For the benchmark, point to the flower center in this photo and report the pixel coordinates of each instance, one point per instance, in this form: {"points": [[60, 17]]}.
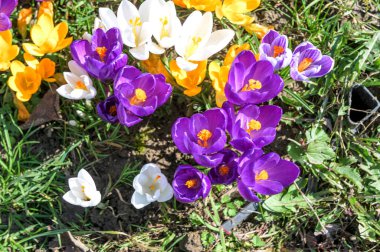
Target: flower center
{"points": [[80, 85], [252, 85], [277, 50], [191, 183], [305, 63], [86, 198], [135, 23], [203, 136], [263, 175], [152, 187], [139, 97], [193, 46], [164, 30], [112, 110], [253, 125], [224, 170], [102, 51]]}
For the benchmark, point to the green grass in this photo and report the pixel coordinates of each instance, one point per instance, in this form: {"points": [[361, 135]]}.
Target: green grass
{"points": [[334, 205]]}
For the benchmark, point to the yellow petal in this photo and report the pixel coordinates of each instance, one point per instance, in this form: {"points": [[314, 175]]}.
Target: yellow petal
{"points": [[23, 114], [192, 92], [220, 98], [23, 97], [259, 30], [30, 60], [39, 35], [46, 8], [32, 49], [154, 65], [46, 69], [233, 51], [45, 21], [17, 67], [6, 37], [24, 18], [63, 44]]}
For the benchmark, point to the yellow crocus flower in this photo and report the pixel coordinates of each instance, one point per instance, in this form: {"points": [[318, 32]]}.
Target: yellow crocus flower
{"points": [[259, 30], [46, 7], [24, 18], [46, 37], [235, 10], [25, 80], [203, 5], [154, 65], [189, 80], [219, 73], [8, 51]]}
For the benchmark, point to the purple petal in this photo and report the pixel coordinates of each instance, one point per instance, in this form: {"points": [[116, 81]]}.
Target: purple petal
{"points": [[285, 172], [126, 117], [247, 193], [79, 50], [326, 63], [7, 6], [208, 160], [5, 22], [270, 37], [304, 46], [268, 187], [180, 126]]}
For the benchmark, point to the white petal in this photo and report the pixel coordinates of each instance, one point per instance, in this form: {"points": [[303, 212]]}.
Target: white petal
{"points": [[83, 174], [128, 36], [65, 91], [126, 11], [108, 18], [147, 10], [71, 79], [138, 200], [145, 34], [185, 65], [153, 197], [98, 24], [87, 36], [76, 69], [141, 182], [92, 93], [71, 198], [150, 169], [141, 52], [78, 94], [95, 199], [218, 40], [156, 49], [166, 194]]}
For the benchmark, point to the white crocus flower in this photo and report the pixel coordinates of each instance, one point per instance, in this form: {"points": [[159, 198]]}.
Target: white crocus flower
{"points": [[197, 42], [82, 191], [166, 26], [150, 185], [97, 24], [134, 27], [79, 84]]}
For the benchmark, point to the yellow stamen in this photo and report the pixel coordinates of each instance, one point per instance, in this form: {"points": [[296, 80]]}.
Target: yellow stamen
{"points": [[224, 170], [152, 187], [203, 136], [193, 46], [191, 183], [102, 51], [164, 30], [252, 85], [135, 23], [277, 50], [263, 175], [139, 97], [253, 125], [112, 110], [304, 64], [86, 198], [80, 85]]}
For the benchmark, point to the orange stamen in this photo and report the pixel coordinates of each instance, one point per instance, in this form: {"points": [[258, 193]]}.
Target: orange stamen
{"points": [[224, 170], [102, 51], [252, 85], [253, 125], [203, 136], [80, 85], [277, 50], [191, 183], [112, 110], [304, 64]]}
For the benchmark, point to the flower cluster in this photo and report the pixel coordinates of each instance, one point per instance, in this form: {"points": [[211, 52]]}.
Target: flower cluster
{"points": [[46, 38], [229, 140]]}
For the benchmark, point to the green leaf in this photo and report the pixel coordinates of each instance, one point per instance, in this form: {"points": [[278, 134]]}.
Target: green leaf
{"points": [[351, 174], [257, 242], [225, 199], [318, 152], [296, 152]]}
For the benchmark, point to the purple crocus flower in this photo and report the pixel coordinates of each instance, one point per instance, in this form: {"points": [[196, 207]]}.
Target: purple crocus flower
{"points": [[266, 175], [274, 48], [107, 109], [140, 94], [308, 62], [253, 126], [226, 172], [251, 81], [6, 9], [103, 57], [189, 184], [203, 135]]}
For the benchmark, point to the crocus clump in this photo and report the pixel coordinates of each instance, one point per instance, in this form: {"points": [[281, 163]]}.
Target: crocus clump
{"points": [[189, 184], [274, 48], [251, 81], [308, 62], [203, 135], [103, 57]]}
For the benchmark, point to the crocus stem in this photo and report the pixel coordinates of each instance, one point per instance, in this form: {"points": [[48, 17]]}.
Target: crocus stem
{"points": [[217, 220]]}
